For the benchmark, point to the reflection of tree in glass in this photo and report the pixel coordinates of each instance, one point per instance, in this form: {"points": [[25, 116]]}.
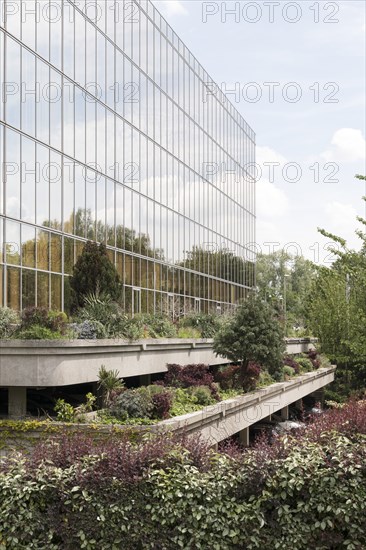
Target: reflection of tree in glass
{"points": [[222, 264]]}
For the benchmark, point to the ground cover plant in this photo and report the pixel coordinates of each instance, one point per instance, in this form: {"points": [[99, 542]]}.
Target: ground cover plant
{"points": [[302, 491]]}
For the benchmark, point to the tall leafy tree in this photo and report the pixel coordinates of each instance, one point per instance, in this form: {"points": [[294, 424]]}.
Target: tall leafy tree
{"points": [[253, 334], [94, 273], [273, 272], [336, 311]]}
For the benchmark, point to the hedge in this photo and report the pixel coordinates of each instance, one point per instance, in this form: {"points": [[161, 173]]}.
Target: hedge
{"points": [[298, 493]]}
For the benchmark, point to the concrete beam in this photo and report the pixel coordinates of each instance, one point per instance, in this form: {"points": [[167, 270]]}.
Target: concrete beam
{"points": [[17, 402], [41, 363]]}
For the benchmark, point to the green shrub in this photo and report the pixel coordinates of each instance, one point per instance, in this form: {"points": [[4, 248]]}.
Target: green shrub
{"points": [[57, 321], [54, 321], [202, 395], [253, 335], [157, 326], [324, 361], [305, 364], [265, 379], [132, 404], [102, 309], [37, 332], [288, 371], [8, 318], [88, 406], [65, 412], [110, 384], [133, 329], [188, 332], [206, 324], [184, 402]]}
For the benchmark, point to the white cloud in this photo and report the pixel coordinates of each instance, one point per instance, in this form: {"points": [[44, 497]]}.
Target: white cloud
{"points": [[270, 164], [272, 202], [267, 232], [347, 145], [171, 7], [266, 154], [341, 218]]}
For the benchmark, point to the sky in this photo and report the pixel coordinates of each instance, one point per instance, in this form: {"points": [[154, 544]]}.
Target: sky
{"points": [[296, 72]]}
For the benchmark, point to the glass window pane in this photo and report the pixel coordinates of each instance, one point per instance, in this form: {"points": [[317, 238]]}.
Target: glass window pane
{"points": [[12, 240], [28, 246], [12, 176], [56, 253], [68, 255], [2, 293], [29, 174], [13, 77], [42, 289], [56, 292], [29, 97], [54, 175], [43, 250], [13, 288], [42, 186], [28, 288]]}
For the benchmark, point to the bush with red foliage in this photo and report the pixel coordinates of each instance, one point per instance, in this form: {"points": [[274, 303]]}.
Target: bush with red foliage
{"points": [[230, 447], [64, 449], [173, 376], [290, 362], [250, 376], [190, 375], [228, 377], [162, 403], [41, 316], [348, 420], [313, 356], [119, 457]]}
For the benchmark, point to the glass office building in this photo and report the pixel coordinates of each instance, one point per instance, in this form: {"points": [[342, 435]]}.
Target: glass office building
{"points": [[110, 130]]}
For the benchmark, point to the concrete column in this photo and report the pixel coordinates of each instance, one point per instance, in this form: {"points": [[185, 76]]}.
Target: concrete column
{"points": [[284, 413], [17, 402], [145, 379], [244, 437]]}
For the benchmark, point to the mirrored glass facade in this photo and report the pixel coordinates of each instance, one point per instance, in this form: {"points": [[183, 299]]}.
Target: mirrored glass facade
{"points": [[110, 130]]}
